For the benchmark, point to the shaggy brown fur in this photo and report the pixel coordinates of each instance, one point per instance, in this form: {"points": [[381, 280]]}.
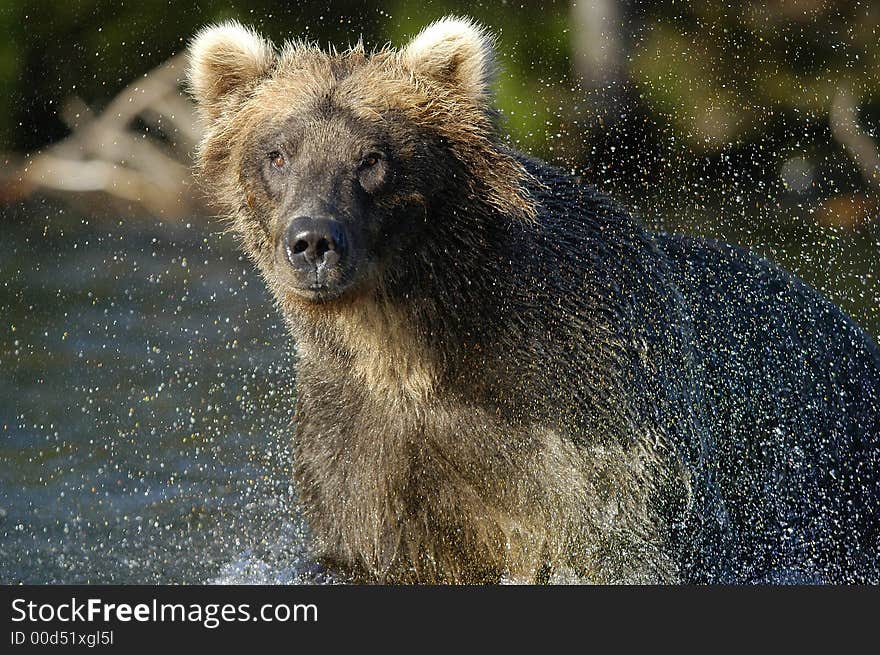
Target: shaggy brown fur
{"points": [[514, 378]]}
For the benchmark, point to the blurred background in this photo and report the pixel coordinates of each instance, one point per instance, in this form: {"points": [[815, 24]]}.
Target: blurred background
{"points": [[145, 381]]}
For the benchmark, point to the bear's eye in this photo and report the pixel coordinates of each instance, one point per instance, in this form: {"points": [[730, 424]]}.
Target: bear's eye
{"points": [[370, 160], [277, 160]]}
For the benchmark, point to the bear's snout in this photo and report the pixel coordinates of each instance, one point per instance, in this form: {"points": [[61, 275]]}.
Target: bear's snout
{"points": [[314, 243]]}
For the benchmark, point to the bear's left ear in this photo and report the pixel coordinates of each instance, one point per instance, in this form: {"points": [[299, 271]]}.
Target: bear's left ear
{"points": [[454, 51], [225, 58]]}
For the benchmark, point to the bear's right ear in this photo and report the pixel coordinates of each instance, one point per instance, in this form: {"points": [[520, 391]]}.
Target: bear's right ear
{"points": [[225, 58]]}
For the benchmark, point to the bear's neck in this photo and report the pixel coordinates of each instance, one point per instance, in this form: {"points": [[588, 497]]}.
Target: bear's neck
{"points": [[394, 353], [371, 345]]}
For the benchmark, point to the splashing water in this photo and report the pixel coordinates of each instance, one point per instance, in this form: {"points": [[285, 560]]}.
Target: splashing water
{"points": [[146, 402], [144, 407]]}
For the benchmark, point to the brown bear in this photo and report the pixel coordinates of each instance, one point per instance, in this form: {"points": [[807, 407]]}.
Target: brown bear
{"points": [[501, 374]]}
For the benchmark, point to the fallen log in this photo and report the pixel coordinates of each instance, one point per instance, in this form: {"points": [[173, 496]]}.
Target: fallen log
{"points": [[134, 156]]}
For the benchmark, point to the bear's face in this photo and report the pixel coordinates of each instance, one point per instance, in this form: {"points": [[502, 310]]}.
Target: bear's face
{"points": [[337, 185], [337, 169]]}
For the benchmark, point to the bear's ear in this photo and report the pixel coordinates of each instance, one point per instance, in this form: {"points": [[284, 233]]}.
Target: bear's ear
{"points": [[224, 58], [454, 51]]}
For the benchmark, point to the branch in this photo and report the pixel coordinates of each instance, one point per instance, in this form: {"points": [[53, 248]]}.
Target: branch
{"points": [[136, 150], [846, 130]]}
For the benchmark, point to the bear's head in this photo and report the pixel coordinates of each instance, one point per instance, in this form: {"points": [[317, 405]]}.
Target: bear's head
{"points": [[343, 172]]}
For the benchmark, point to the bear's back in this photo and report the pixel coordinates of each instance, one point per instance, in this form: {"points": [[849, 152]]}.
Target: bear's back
{"points": [[790, 395]]}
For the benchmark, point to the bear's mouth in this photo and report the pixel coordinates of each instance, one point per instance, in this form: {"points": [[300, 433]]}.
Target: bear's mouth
{"points": [[319, 293], [314, 283], [320, 285]]}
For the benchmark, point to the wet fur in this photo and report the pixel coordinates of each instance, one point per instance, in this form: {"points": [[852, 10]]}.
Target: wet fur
{"points": [[541, 387]]}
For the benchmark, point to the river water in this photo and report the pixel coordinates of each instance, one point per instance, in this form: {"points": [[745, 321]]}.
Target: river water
{"points": [[146, 392], [145, 395]]}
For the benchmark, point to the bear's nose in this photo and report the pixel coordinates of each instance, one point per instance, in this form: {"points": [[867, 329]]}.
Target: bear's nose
{"points": [[313, 242]]}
